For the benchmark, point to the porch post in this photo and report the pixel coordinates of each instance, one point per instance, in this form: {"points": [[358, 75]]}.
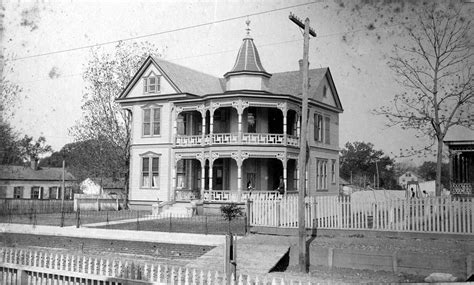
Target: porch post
{"points": [[298, 127], [173, 178], [203, 125], [451, 165], [284, 129], [297, 175], [239, 114], [211, 162], [203, 177], [177, 111], [239, 179], [285, 173]]}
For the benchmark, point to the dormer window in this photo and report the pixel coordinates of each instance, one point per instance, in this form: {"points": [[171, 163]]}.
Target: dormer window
{"points": [[151, 83]]}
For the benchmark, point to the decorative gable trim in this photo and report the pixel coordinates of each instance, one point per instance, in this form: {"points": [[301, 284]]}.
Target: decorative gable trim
{"points": [[149, 153], [140, 74], [333, 89]]}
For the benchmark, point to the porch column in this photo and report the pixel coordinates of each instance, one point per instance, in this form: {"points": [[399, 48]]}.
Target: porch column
{"points": [[177, 111], [284, 129], [458, 168], [239, 179], [211, 162], [239, 114], [285, 173], [298, 127], [203, 112], [203, 177], [173, 177], [451, 165], [297, 176]]}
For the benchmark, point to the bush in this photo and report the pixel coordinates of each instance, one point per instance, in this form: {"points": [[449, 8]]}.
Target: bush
{"points": [[231, 211]]}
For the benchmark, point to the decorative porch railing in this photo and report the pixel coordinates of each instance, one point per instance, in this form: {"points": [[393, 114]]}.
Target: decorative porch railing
{"points": [[184, 140], [462, 189], [187, 195], [233, 138], [233, 196]]}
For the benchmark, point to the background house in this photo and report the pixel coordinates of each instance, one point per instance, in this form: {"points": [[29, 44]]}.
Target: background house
{"points": [[407, 177], [22, 182]]}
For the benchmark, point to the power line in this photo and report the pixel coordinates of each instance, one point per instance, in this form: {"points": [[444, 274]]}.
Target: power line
{"points": [[224, 51], [162, 32]]}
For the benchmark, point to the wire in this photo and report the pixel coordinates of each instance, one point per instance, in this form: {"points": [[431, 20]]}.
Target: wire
{"points": [[161, 33]]}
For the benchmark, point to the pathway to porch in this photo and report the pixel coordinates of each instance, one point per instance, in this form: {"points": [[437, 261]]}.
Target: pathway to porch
{"points": [[256, 254]]}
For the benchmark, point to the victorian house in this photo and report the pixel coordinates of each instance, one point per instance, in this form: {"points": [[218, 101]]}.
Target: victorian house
{"points": [[197, 136]]}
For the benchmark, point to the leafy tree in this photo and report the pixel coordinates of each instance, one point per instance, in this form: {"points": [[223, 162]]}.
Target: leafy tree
{"points": [[436, 72], [84, 160], [230, 212], [428, 171], [360, 161], [31, 149], [106, 75], [9, 147]]}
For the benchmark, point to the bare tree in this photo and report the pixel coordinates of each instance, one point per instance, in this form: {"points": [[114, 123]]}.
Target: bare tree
{"points": [[436, 71], [106, 75]]}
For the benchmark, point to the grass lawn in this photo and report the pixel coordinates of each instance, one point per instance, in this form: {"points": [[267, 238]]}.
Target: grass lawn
{"points": [[196, 224], [136, 221], [70, 219]]}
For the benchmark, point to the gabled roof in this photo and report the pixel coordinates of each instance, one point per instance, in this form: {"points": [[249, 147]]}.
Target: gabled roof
{"points": [[291, 83], [183, 79], [13, 172]]}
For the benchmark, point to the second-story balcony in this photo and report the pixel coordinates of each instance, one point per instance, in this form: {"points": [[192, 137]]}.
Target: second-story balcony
{"points": [[233, 138], [225, 126]]}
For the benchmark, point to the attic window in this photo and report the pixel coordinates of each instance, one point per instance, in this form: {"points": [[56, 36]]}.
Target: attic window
{"points": [[151, 83], [325, 91]]}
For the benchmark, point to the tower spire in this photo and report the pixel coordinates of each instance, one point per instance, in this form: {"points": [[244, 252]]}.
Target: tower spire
{"points": [[248, 27]]}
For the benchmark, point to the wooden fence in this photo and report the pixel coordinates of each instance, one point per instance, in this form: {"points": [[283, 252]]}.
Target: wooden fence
{"points": [[18, 267], [26, 206], [437, 214]]}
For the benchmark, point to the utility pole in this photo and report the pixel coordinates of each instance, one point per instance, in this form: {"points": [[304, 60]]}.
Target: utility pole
{"points": [[63, 186], [302, 261]]}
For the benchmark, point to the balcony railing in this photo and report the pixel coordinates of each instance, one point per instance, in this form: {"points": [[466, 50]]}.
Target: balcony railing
{"points": [[462, 189], [183, 140], [233, 196], [233, 138]]}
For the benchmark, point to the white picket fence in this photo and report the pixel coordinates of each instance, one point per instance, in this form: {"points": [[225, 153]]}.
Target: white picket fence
{"points": [[19, 267], [436, 214]]}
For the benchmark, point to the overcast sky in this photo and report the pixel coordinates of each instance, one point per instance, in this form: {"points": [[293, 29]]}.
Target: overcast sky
{"points": [[353, 41]]}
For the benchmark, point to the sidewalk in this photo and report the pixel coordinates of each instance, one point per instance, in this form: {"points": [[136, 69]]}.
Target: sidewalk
{"points": [[158, 237], [256, 255]]}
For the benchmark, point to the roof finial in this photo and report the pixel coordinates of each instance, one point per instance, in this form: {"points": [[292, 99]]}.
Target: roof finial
{"points": [[248, 26]]}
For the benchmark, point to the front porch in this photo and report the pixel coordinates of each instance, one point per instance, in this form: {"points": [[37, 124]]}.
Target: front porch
{"points": [[227, 177], [462, 170]]}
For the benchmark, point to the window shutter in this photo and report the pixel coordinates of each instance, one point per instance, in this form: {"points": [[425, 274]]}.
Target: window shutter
{"points": [[327, 126], [316, 132], [144, 85]]}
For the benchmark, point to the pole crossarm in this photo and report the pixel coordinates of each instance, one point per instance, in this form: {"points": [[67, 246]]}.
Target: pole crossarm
{"points": [[300, 24]]}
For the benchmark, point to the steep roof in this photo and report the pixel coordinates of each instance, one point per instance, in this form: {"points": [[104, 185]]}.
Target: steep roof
{"points": [[13, 172], [291, 82], [189, 80], [248, 60]]}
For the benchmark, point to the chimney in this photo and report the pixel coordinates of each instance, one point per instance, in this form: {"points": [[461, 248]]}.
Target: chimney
{"points": [[34, 164], [300, 62]]}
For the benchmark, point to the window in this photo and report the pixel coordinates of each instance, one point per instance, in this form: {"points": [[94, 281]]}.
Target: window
{"points": [[151, 121], [151, 84], [18, 192], [318, 127], [327, 137], [35, 192], [53, 193], [325, 91], [3, 191], [150, 172], [321, 175], [333, 171], [181, 174]]}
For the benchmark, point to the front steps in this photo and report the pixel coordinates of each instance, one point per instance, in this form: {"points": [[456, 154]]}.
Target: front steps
{"points": [[177, 209]]}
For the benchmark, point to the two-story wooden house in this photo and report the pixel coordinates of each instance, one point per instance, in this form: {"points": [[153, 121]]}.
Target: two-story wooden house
{"points": [[200, 136]]}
